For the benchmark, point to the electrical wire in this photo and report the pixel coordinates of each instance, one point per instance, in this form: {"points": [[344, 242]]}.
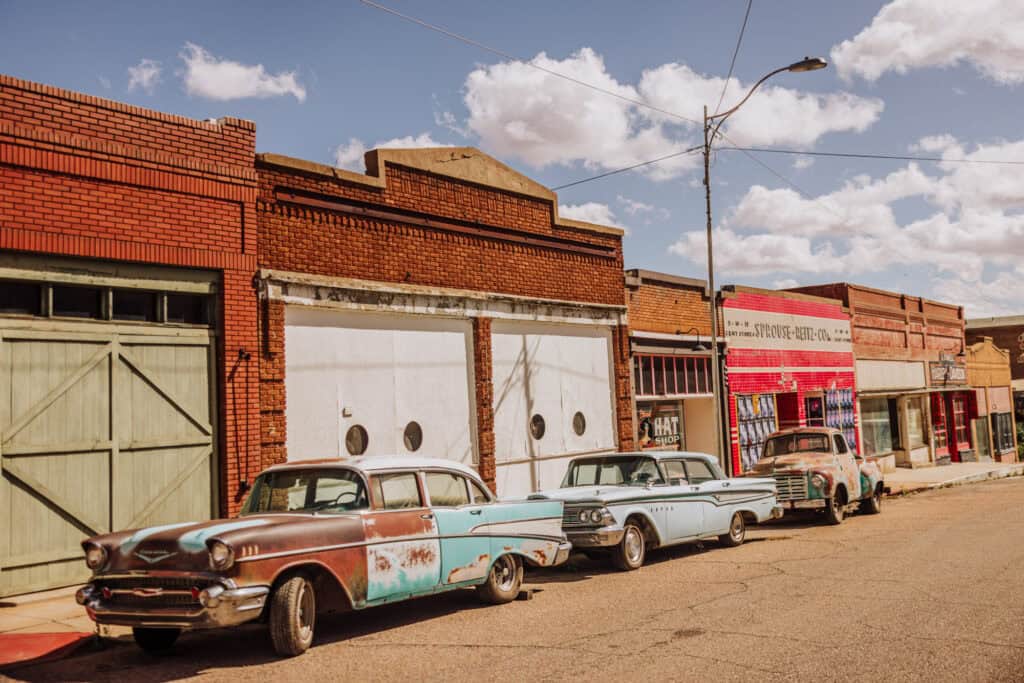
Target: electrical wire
{"points": [[629, 168], [736, 51], [891, 157]]}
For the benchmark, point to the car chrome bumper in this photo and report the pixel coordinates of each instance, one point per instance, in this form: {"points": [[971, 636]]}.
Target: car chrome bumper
{"points": [[218, 607], [811, 504], [562, 555], [777, 511], [595, 538]]}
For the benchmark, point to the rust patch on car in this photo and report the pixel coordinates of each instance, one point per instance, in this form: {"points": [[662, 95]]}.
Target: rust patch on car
{"points": [[382, 563], [541, 556], [421, 554], [473, 570]]}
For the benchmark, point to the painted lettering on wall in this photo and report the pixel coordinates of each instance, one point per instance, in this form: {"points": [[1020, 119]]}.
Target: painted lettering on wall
{"points": [[748, 329]]}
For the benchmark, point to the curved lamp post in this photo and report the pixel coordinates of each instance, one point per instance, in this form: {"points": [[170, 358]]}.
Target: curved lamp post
{"points": [[806, 64]]}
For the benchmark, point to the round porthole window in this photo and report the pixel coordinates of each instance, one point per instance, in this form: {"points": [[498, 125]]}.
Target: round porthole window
{"points": [[579, 423], [413, 436], [356, 440], [537, 426]]}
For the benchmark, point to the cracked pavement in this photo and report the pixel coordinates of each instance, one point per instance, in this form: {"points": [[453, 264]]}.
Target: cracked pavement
{"points": [[931, 589]]}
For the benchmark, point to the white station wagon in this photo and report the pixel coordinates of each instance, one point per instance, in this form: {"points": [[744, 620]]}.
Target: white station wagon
{"points": [[621, 505]]}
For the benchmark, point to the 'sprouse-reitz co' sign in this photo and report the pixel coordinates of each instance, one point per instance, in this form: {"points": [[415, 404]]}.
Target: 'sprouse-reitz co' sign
{"points": [[748, 329]]}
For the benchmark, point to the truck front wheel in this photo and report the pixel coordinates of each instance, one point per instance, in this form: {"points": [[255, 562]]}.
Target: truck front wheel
{"points": [[835, 508]]}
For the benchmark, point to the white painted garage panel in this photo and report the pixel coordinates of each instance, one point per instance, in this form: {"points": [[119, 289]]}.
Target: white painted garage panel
{"points": [[553, 371], [381, 372]]}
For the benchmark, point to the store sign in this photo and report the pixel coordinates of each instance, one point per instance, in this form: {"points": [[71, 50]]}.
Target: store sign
{"points": [[746, 329], [659, 426], [945, 373]]}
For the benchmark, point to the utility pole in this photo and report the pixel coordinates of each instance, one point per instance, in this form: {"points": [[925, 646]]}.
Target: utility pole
{"points": [[716, 377]]}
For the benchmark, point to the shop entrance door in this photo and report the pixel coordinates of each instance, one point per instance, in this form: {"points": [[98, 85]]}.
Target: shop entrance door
{"points": [[814, 409], [789, 410]]}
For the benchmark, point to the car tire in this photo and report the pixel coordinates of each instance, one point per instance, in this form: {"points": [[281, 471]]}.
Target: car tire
{"points": [[293, 616], [630, 552], [834, 510], [872, 505], [156, 641], [737, 532], [503, 581]]}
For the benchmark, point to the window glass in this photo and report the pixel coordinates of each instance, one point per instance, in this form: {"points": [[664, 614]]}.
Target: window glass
{"points": [[305, 490], [76, 302], [612, 471], [698, 472], [638, 375], [397, 491], [876, 426], [796, 443], [659, 375], [19, 298], [446, 489], [190, 309], [840, 444], [478, 494], [915, 423], [132, 304], [939, 421], [674, 471]]}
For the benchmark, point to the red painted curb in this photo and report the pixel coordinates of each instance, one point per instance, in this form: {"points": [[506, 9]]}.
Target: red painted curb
{"points": [[23, 649]]}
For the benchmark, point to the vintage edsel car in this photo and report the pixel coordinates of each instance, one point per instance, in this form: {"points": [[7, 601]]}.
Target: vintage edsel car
{"points": [[619, 506], [321, 536], [814, 468]]}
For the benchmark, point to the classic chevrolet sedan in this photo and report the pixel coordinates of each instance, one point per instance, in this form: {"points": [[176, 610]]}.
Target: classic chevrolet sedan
{"points": [[620, 506], [318, 536]]}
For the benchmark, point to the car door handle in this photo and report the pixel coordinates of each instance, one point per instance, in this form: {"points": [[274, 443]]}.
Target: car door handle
{"points": [[476, 512], [429, 515]]}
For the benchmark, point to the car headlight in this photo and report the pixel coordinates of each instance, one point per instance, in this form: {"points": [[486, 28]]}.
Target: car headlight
{"points": [[818, 481], [584, 516], [95, 556], [221, 556], [596, 516]]}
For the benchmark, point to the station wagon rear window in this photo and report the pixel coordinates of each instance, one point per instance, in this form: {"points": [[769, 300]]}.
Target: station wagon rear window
{"points": [[613, 472], [305, 490], [796, 443]]}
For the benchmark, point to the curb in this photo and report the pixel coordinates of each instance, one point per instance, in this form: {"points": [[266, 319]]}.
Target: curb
{"points": [[916, 487]]}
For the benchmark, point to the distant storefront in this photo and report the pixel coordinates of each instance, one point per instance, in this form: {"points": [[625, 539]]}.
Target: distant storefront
{"points": [[993, 427], [789, 363]]}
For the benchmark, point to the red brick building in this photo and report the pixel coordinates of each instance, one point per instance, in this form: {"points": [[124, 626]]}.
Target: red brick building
{"points": [[437, 304], [670, 333], [128, 322], [789, 363], [915, 404]]}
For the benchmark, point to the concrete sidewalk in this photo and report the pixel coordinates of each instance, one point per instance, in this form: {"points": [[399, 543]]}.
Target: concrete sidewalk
{"points": [[956, 474]]}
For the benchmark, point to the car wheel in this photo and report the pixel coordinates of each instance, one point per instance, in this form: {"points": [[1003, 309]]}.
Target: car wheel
{"points": [[629, 553], [834, 510], [503, 582], [293, 616], [737, 532], [156, 641], [872, 505]]}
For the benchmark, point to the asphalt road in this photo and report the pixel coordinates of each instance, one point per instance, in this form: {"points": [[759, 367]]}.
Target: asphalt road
{"points": [[932, 589]]}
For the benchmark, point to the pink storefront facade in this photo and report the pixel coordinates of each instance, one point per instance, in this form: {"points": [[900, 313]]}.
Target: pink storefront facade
{"points": [[789, 362]]}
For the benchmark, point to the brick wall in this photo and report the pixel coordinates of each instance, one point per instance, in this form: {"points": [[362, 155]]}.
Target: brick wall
{"points": [[88, 177], [656, 306]]}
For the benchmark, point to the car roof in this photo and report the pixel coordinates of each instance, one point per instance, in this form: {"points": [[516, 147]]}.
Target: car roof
{"points": [[805, 430], [376, 463], [657, 455]]}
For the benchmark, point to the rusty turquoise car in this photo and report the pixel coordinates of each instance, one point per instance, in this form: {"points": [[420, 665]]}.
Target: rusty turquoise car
{"points": [[316, 536], [622, 505]]}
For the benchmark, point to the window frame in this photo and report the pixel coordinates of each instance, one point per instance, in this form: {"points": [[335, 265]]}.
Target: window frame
{"points": [[455, 475], [703, 463], [378, 503]]}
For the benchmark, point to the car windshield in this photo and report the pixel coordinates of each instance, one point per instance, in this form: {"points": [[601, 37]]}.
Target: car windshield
{"points": [[636, 471], [332, 490], [796, 443]]}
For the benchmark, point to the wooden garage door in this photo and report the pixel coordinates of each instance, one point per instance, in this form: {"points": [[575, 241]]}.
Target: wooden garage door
{"points": [[102, 428]]}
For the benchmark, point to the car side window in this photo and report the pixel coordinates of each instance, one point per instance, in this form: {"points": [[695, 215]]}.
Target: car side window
{"points": [[675, 472], [478, 495], [840, 443], [396, 491], [446, 489], [698, 472]]}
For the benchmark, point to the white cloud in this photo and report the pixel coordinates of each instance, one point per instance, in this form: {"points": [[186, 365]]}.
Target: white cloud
{"points": [[350, 155], [636, 208], [785, 283], [519, 111], [222, 79], [803, 162], [591, 212], [913, 34], [144, 75], [970, 222], [981, 297], [105, 82]]}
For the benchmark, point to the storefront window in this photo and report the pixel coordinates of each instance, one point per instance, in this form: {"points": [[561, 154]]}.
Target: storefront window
{"points": [[963, 439], [915, 423], [660, 425], [876, 426], [939, 422], [1002, 431], [755, 421], [671, 375]]}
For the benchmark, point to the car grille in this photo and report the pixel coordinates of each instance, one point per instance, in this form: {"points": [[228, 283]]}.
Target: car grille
{"points": [[174, 592], [570, 517], [791, 486]]}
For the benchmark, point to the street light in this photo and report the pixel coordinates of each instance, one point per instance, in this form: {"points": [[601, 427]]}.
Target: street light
{"points": [[805, 64], [699, 346]]}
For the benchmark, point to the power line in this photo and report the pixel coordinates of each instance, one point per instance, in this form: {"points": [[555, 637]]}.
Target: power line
{"points": [[629, 168], [892, 157], [736, 51]]}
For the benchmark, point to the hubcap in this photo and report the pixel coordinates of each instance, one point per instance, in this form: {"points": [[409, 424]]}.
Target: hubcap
{"points": [[737, 528], [634, 544], [505, 572], [307, 612]]}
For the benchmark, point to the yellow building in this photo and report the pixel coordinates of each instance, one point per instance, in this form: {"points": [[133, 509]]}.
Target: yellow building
{"points": [[988, 371]]}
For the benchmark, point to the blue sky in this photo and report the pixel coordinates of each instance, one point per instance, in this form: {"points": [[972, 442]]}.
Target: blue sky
{"points": [[926, 77]]}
